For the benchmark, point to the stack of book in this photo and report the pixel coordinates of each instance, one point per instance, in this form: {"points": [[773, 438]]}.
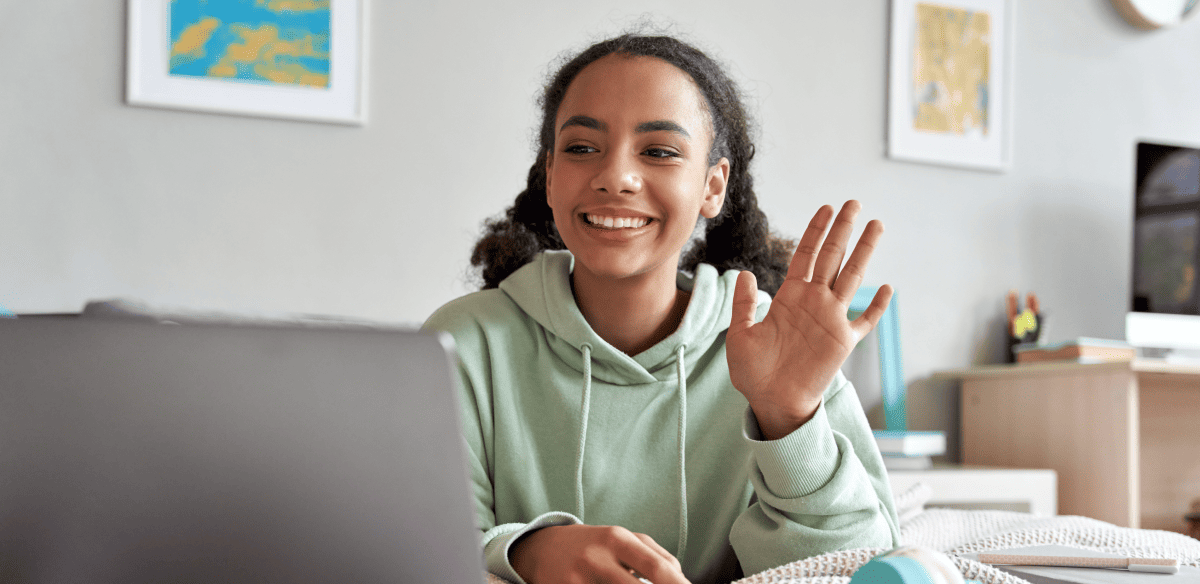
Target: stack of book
{"points": [[904, 450], [1081, 350]]}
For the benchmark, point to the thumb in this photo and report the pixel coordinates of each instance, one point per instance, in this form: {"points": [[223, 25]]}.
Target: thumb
{"points": [[745, 302]]}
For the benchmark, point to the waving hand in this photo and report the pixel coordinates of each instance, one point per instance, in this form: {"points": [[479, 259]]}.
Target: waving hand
{"points": [[784, 363]]}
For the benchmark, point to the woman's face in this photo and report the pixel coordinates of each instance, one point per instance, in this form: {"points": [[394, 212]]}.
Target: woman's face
{"points": [[628, 176]]}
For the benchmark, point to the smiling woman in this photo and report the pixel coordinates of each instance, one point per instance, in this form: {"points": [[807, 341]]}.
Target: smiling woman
{"points": [[632, 149], [633, 146], [713, 437], [739, 238]]}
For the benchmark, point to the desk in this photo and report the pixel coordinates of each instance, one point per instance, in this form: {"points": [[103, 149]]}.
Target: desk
{"points": [[1123, 437]]}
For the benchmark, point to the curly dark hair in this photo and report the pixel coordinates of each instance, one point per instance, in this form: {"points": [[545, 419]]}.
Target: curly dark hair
{"points": [[738, 238]]}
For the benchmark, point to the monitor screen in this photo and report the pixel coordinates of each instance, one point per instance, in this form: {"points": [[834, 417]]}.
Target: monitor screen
{"points": [[1166, 247], [1166, 229]]}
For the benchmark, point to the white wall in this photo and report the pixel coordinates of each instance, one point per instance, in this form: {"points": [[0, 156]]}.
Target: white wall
{"points": [[182, 209]]}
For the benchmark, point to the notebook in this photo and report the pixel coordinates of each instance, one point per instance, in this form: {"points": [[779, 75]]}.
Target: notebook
{"points": [[135, 452], [1064, 575]]}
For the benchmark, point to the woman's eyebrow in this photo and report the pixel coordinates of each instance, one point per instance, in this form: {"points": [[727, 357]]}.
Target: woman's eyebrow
{"points": [[662, 126], [644, 127], [586, 122]]}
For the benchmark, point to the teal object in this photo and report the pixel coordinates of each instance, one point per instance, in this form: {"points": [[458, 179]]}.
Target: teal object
{"points": [[892, 570], [910, 564], [891, 367], [6, 313]]}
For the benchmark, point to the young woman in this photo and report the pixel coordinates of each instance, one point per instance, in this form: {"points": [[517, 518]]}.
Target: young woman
{"points": [[631, 414]]}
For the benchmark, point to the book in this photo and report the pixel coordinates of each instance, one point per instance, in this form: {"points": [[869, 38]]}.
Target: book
{"points": [[906, 443], [1080, 575], [894, 462], [1133, 564], [1083, 349]]}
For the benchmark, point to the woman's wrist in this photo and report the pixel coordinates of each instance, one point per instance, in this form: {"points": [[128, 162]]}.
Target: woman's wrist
{"points": [[522, 555], [775, 422]]}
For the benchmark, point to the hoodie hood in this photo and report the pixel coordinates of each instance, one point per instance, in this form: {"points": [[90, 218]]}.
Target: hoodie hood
{"points": [[542, 289]]}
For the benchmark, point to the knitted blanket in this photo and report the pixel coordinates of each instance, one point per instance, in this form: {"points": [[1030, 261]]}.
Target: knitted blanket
{"points": [[956, 532]]}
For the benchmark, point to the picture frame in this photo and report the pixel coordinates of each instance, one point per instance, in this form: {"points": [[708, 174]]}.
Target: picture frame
{"points": [[259, 67], [950, 83]]}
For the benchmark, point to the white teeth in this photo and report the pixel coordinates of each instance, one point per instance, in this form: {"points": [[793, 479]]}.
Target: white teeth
{"points": [[617, 222]]}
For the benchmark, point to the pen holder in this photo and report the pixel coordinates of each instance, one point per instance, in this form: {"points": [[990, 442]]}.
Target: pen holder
{"points": [[909, 565], [1027, 328], [1024, 326]]}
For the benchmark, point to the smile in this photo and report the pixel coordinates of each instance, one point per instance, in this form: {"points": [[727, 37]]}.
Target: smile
{"points": [[616, 222]]}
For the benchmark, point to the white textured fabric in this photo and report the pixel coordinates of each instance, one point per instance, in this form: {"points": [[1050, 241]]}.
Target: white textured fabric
{"points": [[911, 502], [956, 532]]}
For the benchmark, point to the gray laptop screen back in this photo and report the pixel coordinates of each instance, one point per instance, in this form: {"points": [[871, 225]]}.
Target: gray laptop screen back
{"points": [[135, 452]]}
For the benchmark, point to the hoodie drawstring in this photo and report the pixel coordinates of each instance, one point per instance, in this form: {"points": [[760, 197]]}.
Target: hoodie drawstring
{"points": [[681, 376], [683, 523], [583, 422]]}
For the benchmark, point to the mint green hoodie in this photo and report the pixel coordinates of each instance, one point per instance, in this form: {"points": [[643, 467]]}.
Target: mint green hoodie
{"points": [[562, 428]]}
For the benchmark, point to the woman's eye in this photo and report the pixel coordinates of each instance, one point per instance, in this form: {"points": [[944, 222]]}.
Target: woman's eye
{"points": [[660, 153], [579, 149]]}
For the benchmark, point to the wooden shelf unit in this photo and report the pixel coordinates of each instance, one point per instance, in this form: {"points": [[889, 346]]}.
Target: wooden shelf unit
{"points": [[981, 487], [1124, 437]]}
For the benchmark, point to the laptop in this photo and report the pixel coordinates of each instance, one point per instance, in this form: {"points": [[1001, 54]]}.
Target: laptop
{"points": [[138, 452]]}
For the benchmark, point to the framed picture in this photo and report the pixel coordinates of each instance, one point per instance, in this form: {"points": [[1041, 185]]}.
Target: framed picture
{"points": [[302, 59], [950, 83]]}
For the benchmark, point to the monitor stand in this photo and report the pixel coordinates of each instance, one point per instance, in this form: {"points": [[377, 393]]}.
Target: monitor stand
{"points": [[1179, 356]]}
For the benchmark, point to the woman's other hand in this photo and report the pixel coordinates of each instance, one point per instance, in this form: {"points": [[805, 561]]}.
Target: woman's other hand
{"points": [[784, 363], [578, 554]]}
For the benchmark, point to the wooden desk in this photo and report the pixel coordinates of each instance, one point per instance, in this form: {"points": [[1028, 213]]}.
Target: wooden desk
{"points": [[1123, 437]]}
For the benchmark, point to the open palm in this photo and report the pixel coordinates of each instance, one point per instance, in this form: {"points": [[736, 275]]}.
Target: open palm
{"points": [[784, 363]]}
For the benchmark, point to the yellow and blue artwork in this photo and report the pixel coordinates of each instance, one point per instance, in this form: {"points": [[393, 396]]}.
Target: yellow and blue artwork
{"points": [[284, 42], [951, 70]]}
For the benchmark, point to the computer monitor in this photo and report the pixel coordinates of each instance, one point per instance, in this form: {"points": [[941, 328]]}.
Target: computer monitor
{"points": [[1164, 311]]}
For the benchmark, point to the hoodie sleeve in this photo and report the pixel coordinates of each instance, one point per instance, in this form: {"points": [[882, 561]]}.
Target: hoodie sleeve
{"points": [[496, 540], [821, 488], [475, 415]]}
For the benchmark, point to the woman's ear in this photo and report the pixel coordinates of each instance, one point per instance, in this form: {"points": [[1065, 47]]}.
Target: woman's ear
{"points": [[714, 192]]}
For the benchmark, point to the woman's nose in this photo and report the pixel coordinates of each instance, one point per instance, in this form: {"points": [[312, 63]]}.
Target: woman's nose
{"points": [[618, 174]]}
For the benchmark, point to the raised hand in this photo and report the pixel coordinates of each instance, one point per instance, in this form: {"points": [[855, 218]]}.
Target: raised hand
{"points": [[784, 363], [593, 553]]}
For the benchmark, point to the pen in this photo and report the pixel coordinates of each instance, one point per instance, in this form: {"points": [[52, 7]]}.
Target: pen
{"points": [[1132, 564]]}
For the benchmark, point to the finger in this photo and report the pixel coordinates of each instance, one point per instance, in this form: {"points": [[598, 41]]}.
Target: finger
{"points": [[609, 573], [745, 302], [805, 257], [648, 563], [833, 250], [855, 270], [617, 574], [870, 317], [660, 550]]}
